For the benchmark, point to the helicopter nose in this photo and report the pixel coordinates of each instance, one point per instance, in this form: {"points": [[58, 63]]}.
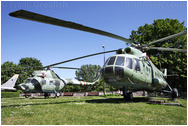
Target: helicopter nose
{"points": [[24, 87], [113, 74]]}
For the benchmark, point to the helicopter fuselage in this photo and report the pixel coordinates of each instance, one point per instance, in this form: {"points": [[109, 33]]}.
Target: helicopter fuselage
{"points": [[44, 81], [132, 69]]}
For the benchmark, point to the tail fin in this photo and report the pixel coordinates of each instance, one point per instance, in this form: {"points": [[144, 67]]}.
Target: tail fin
{"points": [[165, 72], [11, 82]]}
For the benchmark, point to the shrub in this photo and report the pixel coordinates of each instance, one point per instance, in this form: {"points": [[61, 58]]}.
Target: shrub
{"points": [[107, 95], [117, 94]]}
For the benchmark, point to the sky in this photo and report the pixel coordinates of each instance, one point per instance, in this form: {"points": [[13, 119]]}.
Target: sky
{"points": [[51, 44]]}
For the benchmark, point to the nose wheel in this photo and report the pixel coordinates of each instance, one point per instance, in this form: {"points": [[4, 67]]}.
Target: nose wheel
{"points": [[26, 96], [57, 94], [127, 95], [46, 95]]}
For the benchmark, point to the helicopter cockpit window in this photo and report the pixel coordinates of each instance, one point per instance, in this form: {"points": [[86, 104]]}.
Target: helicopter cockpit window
{"points": [[51, 82], [43, 81], [146, 68], [28, 80], [111, 60], [120, 60], [34, 81], [106, 62], [137, 65], [129, 63]]}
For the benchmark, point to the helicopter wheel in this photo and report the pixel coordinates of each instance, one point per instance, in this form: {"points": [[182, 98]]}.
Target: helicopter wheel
{"points": [[129, 96], [26, 96], [58, 94], [174, 93], [45, 95]]}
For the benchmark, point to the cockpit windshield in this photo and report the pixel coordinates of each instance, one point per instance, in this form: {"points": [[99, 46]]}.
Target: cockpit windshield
{"points": [[106, 62], [111, 60], [27, 80], [129, 63], [34, 81], [120, 60]]}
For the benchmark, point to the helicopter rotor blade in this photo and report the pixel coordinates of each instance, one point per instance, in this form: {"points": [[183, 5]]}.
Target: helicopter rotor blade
{"points": [[167, 49], [22, 67], [166, 38], [75, 68], [66, 68], [79, 58], [54, 21]]}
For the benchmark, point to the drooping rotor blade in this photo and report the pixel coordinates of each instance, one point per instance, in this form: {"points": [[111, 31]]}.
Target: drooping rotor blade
{"points": [[23, 67], [54, 21], [78, 58], [166, 38], [74, 68], [167, 49], [67, 68]]}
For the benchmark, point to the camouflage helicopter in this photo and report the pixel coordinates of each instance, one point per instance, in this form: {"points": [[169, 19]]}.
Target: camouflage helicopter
{"points": [[47, 81], [130, 68]]}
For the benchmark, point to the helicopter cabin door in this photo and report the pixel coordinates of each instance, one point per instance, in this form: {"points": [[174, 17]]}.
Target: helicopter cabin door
{"points": [[138, 71], [148, 73]]}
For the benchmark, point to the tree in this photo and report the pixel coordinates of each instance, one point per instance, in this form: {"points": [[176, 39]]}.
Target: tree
{"points": [[88, 73], [30, 64], [72, 88], [8, 69], [175, 62], [25, 68]]}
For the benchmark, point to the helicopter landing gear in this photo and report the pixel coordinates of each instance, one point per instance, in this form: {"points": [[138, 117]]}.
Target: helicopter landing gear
{"points": [[127, 95], [26, 95], [57, 94], [174, 93], [46, 95]]}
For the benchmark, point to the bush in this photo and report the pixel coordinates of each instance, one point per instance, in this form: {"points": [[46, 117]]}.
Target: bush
{"points": [[117, 94], [107, 95], [9, 94], [110, 95]]}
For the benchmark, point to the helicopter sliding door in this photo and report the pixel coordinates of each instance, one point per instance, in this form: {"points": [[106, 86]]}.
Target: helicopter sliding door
{"points": [[148, 73], [138, 71]]}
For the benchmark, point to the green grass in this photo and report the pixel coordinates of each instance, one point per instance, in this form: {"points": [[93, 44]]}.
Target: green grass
{"points": [[93, 110]]}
